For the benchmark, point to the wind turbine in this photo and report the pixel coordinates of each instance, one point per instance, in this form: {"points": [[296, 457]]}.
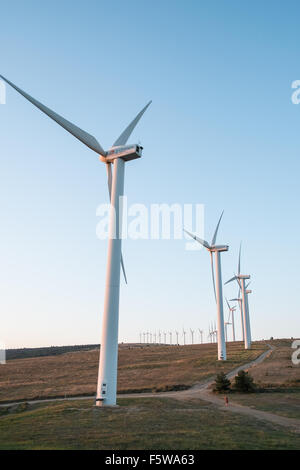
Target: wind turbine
{"points": [[155, 337], [170, 335], [144, 334], [165, 337], [177, 334], [226, 324], [159, 337], [183, 334], [240, 302], [216, 332], [216, 250], [147, 337], [118, 155], [241, 278], [231, 312], [192, 335], [201, 334]]}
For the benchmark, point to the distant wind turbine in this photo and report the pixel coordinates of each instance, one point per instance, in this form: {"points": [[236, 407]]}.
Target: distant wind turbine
{"points": [[231, 313], [183, 333], [192, 335], [201, 335], [241, 278], [216, 250]]}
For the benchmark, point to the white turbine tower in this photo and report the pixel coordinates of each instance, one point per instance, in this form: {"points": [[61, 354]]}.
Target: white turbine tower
{"points": [[165, 337], [177, 335], [216, 250], [170, 335], [144, 335], [118, 154], [159, 337], [241, 278], [231, 313]]}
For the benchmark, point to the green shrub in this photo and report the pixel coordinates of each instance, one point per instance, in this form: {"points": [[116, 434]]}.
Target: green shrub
{"points": [[222, 384], [243, 382]]}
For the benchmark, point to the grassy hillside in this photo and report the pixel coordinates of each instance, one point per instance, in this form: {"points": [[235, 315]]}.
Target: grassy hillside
{"points": [[143, 368]]}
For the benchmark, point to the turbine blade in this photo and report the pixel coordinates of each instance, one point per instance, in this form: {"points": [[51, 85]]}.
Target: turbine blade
{"points": [[227, 303], [246, 287], [81, 135], [213, 274], [216, 231], [122, 139], [123, 269], [230, 280], [199, 240], [109, 183]]}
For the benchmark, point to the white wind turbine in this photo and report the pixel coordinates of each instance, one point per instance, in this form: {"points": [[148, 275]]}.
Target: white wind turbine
{"points": [[241, 278], [170, 335], [118, 155], [216, 250], [231, 313], [201, 335], [226, 324], [177, 335], [165, 337], [183, 334], [240, 302], [192, 335], [159, 337], [210, 333]]}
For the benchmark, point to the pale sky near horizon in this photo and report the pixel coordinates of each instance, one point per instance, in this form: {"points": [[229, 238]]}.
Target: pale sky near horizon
{"points": [[222, 131]]}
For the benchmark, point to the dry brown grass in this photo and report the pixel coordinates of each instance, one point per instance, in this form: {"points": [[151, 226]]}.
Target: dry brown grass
{"points": [[140, 368], [277, 370]]}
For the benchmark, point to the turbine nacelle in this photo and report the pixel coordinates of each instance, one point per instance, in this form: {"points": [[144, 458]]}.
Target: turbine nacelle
{"points": [[126, 152], [219, 248]]}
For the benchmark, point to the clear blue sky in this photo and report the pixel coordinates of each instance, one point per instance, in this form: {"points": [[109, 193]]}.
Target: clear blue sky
{"points": [[221, 131]]}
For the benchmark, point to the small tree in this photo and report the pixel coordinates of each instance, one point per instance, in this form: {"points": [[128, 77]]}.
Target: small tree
{"points": [[222, 384], [243, 382]]}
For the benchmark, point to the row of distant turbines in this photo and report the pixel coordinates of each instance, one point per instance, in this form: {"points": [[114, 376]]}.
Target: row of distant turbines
{"points": [[116, 156], [170, 337]]}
